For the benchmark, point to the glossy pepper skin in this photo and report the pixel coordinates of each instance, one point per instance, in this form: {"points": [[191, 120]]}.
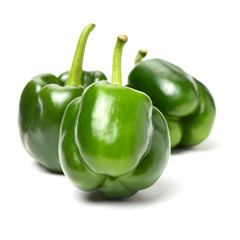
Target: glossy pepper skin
{"points": [[42, 105], [112, 138], [186, 103]]}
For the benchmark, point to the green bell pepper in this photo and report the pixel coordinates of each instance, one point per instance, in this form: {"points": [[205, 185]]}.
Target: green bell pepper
{"points": [[112, 138], [43, 102], [186, 103]]}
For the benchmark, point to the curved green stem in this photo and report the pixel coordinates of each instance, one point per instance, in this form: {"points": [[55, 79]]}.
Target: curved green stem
{"points": [[117, 57], [140, 55], [75, 74]]}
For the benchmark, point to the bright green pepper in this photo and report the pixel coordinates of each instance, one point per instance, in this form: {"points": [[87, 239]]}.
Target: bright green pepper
{"points": [[187, 104], [112, 138], [43, 102]]}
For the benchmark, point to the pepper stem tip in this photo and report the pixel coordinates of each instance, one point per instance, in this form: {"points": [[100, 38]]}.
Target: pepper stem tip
{"points": [[143, 51], [140, 55], [123, 38]]}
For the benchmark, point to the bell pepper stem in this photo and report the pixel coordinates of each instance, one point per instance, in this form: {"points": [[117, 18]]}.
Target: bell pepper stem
{"points": [[140, 55], [75, 74], [117, 58]]}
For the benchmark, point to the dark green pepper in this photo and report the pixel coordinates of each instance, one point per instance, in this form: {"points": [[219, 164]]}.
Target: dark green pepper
{"points": [[43, 102], [112, 138], [187, 104]]}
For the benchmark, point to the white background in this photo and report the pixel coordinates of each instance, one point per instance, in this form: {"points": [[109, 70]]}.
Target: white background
{"points": [[197, 196]]}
